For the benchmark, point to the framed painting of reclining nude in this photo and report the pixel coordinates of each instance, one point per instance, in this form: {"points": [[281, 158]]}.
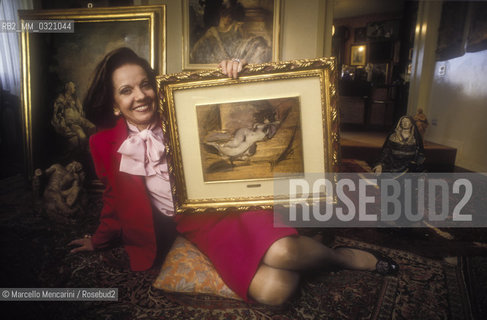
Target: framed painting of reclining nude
{"points": [[216, 30], [58, 63], [230, 141]]}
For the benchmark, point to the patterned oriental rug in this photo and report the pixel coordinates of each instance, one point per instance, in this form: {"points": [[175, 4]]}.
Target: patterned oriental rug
{"points": [[35, 255], [424, 289]]}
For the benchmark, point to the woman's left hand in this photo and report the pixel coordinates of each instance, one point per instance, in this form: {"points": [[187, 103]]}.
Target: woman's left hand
{"points": [[231, 68], [84, 244]]}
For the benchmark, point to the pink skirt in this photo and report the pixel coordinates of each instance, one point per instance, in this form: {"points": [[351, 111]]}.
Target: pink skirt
{"points": [[234, 242]]}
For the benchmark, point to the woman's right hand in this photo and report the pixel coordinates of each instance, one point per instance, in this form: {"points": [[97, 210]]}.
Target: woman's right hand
{"points": [[231, 68], [84, 244]]}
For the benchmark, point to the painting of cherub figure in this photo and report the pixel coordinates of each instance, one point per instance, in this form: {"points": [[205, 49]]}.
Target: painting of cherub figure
{"points": [[250, 139]]}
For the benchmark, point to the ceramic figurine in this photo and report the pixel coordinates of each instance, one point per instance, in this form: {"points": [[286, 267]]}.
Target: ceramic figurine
{"points": [[62, 193], [403, 149], [421, 122]]}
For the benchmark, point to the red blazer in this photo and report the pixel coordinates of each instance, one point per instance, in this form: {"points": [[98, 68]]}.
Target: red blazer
{"points": [[127, 210]]}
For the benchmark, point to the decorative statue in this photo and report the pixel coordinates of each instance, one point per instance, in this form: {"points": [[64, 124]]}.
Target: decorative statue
{"points": [[421, 121], [68, 118], [403, 149], [62, 193]]}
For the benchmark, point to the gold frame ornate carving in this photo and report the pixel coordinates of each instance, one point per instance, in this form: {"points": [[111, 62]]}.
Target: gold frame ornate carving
{"points": [[187, 65], [181, 93], [38, 88]]}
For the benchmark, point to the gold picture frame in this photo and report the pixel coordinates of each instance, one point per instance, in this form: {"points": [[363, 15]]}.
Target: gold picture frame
{"points": [[208, 38], [50, 61], [358, 55], [277, 86]]}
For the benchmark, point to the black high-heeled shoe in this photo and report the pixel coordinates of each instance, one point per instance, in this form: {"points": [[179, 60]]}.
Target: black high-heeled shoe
{"points": [[384, 266]]}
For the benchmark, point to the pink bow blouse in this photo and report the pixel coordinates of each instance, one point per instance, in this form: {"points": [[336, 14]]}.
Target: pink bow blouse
{"points": [[143, 154]]}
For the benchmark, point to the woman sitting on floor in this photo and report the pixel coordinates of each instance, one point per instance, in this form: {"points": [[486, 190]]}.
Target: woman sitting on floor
{"points": [[259, 263]]}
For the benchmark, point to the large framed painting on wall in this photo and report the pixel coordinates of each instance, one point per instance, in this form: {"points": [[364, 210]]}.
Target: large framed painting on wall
{"points": [[216, 30], [57, 69], [230, 140]]}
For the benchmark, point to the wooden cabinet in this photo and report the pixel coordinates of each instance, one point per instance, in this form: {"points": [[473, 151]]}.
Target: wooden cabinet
{"points": [[381, 106], [374, 109]]}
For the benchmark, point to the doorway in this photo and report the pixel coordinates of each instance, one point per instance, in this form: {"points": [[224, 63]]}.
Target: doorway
{"points": [[373, 42]]}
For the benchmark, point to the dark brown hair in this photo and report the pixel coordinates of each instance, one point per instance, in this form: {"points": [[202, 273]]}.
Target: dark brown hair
{"points": [[99, 100], [215, 9]]}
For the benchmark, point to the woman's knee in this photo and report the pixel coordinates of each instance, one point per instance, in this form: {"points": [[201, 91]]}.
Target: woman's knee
{"points": [[282, 252], [273, 286]]}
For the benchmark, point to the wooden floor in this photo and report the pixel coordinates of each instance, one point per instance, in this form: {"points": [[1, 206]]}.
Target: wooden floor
{"points": [[367, 146]]}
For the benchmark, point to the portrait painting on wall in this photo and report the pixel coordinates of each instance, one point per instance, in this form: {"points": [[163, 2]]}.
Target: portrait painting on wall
{"points": [[216, 30], [59, 68], [360, 34], [380, 30], [358, 55], [250, 139]]}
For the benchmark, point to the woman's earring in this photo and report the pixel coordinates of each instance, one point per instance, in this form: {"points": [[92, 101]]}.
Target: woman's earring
{"points": [[116, 112]]}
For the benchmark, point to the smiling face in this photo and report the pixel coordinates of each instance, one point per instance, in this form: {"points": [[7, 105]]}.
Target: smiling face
{"points": [[133, 95]]}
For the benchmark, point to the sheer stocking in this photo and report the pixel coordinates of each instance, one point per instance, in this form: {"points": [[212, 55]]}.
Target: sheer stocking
{"points": [[273, 286], [301, 253], [277, 277]]}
